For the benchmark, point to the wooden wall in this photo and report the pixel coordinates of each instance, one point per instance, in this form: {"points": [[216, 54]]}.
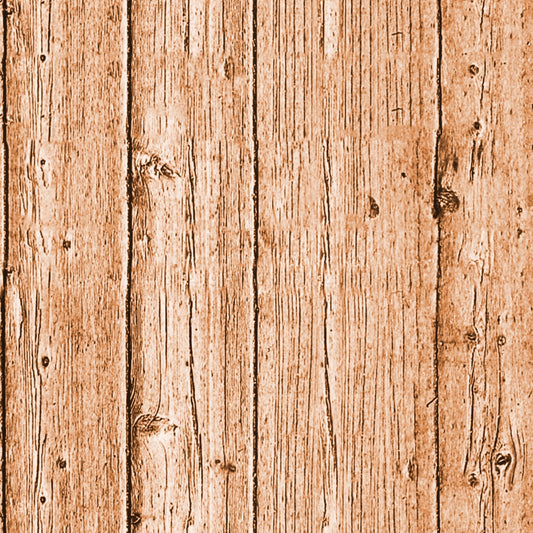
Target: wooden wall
{"points": [[267, 266]]}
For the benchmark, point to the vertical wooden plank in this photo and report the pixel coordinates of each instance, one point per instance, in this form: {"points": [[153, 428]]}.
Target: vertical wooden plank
{"points": [[485, 313], [192, 313], [65, 287], [3, 242], [347, 269]]}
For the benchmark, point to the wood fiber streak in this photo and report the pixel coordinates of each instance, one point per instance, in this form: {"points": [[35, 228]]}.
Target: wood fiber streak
{"points": [[347, 121], [65, 393], [485, 309], [192, 255]]}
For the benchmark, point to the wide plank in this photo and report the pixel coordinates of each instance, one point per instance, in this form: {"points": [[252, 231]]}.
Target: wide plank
{"points": [[192, 260], [485, 289], [347, 265], [66, 275]]}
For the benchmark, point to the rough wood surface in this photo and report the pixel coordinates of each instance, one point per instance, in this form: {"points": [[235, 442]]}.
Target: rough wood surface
{"points": [[192, 313], [266, 266], [485, 289], [65, 388], [347, 266]]}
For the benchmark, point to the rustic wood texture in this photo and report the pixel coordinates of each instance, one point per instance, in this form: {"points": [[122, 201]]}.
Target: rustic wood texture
{"points": [[485, 294], [65, 342], [192, 313], [266, 266], [347, 266]]}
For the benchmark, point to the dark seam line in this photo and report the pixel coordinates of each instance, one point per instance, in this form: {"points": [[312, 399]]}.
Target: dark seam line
{"points": [[255, 361], [129, 265], [6, 260], [436, 213]]}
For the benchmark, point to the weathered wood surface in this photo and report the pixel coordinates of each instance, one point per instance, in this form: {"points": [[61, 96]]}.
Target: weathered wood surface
{"points": [[266, 266], [191, 304], [65, 277], [347, 266], [485, 287]]}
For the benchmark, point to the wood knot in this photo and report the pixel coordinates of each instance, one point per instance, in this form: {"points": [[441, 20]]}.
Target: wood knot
{"points": [[471, 335], [153, 424], [502, 462], [473, 480], [447, 202], [374, 207]]}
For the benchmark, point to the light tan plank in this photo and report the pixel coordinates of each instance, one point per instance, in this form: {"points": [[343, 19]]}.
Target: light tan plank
{"points": [[192, 313], [485, 317], [347, 266], [65, 292]]}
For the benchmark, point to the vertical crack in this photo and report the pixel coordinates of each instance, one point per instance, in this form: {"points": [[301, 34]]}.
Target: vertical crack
{"points": [[255, 362], [5, 270], [437, 185], [129, 178]]}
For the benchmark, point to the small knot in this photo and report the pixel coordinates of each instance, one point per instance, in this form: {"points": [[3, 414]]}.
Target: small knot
{"points": [[474, 69], [471, 335], [447, 202], [477, 125], [61, 463], [502, 461], [501, 340], [473, 481], [374, 207]]}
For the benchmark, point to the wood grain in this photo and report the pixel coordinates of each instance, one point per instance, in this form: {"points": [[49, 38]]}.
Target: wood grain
{"points": [[347, 266], [65, 393], [485, 294], [192, 312]]}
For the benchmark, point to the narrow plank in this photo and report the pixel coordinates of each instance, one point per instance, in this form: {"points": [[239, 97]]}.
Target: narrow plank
{"points": [[485, 313], [347, 267], [3, 242], [65, 388], [192, 312]]}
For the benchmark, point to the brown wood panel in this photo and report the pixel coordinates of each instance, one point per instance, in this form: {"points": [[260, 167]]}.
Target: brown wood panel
{"points": [[485, 289], [65, 388], [347, 265], [191, 307]]}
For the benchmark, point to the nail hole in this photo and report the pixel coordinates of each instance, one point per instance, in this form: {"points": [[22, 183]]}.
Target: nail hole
{"points": [[477, 125], [42, 499], [501, 340], [474, 69], [43, 162], [135, 518], [43, 57], [45, 361], [66, 245], [404, 175], [62, 463]]}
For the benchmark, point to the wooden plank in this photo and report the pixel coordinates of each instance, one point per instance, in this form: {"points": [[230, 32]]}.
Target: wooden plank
{"points": [[485, 313], [192, 313], [65, 387], [347, 265]]}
